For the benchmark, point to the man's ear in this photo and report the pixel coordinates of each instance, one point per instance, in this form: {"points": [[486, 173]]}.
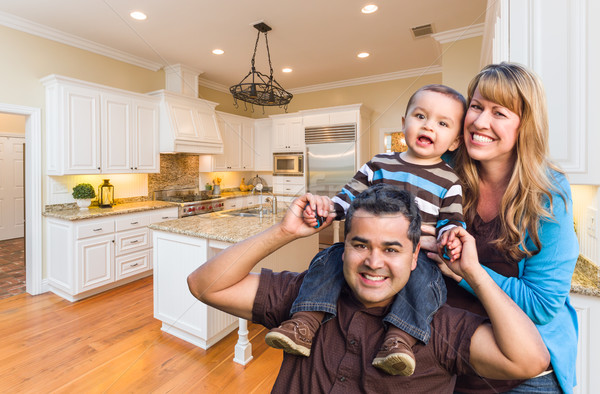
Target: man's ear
{"points": [[415, 257], [456, 143]]}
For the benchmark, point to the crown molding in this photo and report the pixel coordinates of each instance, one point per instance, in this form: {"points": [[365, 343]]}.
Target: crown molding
{"points": [[213, 85], [415, 72], [24, 25], [459, 34]]}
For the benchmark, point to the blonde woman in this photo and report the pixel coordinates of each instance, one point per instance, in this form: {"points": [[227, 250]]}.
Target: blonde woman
{"points": [[518, 206]]}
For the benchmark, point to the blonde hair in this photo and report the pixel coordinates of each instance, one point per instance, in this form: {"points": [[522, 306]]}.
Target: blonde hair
{"points": [[530, 186]]}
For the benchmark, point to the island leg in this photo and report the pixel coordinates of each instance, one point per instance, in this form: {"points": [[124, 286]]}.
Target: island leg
{"points": [[243, 348]]}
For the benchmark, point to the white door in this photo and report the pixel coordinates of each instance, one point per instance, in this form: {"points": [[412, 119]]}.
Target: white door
{"points": [[12, 197]]}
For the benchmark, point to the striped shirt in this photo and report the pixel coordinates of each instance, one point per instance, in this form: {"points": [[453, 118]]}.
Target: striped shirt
{"points": [[436, 188]]}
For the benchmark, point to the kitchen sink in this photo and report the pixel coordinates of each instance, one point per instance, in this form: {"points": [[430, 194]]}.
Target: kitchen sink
{"points": [[249, 212]]}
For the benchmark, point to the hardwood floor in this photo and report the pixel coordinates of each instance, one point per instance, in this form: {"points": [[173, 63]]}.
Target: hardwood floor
{"points": [[112, 343]]}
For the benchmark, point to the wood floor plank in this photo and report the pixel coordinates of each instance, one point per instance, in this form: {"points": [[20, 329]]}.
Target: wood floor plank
{"points": [[112, 343]]}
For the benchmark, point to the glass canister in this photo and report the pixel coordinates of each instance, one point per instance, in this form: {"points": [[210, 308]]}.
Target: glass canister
{"points": [[106, 194]]}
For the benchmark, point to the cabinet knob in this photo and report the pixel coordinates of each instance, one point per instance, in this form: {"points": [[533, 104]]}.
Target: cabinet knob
{"points": [[98, 168]]}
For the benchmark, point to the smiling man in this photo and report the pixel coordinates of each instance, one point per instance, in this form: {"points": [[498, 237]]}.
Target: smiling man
{"points": [[378, 255]]}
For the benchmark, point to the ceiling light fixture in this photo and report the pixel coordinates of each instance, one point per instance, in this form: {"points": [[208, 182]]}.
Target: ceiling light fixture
{"points": [[218, 51], [258, 88], [369, 9], [287, 70], [363, 54], [138, 15]]}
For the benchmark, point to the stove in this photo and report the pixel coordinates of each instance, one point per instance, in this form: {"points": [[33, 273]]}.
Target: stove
{"points": [[191, 201]]}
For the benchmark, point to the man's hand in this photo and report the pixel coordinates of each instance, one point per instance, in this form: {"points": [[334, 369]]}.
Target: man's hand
{"points": [[299, 223], [318, 206]]}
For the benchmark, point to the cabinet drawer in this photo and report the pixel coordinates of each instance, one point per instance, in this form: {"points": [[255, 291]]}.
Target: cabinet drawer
{"points": [[132, 264], [164, 214], [295, 190], [288, 180], [132, 241], [132, 222], [96, 228]]}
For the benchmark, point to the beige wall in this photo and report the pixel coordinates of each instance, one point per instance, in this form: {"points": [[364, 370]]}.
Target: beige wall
{"points": [[12, 123], [460, 63], [27, 58]]}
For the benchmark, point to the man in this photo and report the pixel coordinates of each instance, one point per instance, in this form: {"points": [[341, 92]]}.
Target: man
{"points": [[378, 255]]}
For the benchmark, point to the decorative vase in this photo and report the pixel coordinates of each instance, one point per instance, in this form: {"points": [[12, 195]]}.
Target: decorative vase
{"points": [[83, 203]]}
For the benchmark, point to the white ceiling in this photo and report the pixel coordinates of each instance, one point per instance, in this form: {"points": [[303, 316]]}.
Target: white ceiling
{"points": [[318, 39]]}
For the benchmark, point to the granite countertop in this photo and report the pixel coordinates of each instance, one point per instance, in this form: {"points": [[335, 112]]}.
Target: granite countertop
{"points": [[97, 212], [586, 278], [219, 226]]}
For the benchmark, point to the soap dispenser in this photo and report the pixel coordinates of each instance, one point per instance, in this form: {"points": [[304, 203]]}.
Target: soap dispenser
{"points": [[106, 194]]}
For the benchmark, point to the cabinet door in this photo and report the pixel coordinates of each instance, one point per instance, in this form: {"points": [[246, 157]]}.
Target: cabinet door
{"points": [[296, 135], [280, 136], [231, 157], [263, 153], [146, 142], [208, 130], [83, 130], [95, 262], [116, 134], [247, 147]]}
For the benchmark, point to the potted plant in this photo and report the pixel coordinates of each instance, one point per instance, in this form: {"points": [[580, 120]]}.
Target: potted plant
{"points": [[83, 194]]}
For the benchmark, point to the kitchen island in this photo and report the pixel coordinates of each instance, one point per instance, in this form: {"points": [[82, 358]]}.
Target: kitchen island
{"points": [[181, 245]]}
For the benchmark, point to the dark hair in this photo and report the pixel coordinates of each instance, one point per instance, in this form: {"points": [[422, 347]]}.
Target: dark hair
{"points": [[385, 199], [437, 88]]}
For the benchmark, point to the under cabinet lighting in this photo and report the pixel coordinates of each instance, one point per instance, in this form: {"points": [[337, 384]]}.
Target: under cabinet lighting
{"points": [[138, 15]]}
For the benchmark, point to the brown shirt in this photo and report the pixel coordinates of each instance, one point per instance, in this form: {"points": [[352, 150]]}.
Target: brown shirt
{"points": [[345, 346], [490, 256]]}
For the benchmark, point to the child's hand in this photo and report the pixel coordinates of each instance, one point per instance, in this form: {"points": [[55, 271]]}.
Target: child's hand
{"points": [[450, 247], [317, 210]]}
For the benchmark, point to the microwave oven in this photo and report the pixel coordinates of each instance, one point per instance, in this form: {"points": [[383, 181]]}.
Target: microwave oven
{"points": [[289, 163]]}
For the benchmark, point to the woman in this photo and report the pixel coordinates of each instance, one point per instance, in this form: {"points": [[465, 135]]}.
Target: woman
{"points": [[518, 207]]}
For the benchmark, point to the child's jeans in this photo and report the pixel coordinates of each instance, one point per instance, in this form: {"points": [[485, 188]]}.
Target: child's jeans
{"points": [[413, 307]]}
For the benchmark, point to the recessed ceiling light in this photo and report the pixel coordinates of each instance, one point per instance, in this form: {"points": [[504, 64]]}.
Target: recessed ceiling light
{"points": [[138, 15], [218, 51], [369, 9], [287, 70], [363, 54]]}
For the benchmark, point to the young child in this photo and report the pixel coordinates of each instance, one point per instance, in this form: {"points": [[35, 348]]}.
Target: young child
{"points": [[432, 125]]}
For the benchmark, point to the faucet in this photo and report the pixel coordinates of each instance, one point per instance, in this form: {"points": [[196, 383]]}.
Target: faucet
{"points": [[273, 201]]}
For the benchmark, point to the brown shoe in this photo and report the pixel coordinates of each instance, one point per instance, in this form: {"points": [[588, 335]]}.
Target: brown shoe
{"points": [[293, 336], [395, 357]]}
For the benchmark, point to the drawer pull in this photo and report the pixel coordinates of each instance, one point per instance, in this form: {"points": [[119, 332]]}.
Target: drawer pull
{"points": [[97, 229], [135, 241], [165, 217], [134, 222], [133, 265]]}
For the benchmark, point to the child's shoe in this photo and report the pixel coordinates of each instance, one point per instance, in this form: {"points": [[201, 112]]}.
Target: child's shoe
{"points": [[395, 357], [295, 336]]}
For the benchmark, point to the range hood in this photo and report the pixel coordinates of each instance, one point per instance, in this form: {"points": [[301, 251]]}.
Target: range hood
{"points": [[187, 124]]}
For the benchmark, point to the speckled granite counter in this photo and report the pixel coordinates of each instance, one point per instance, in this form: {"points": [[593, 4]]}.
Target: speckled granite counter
{"points": [[219, 226], [119, 209], [586, 278]]}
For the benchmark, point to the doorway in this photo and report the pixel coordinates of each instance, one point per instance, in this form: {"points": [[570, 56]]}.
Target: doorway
{"points": [[12, 205], [33, 195]]}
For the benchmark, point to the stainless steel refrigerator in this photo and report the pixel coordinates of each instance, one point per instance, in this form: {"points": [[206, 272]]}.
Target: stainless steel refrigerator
{"points": [[330, 163]]}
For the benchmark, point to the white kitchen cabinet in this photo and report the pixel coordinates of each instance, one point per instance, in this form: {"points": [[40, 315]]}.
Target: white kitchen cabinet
{"points": [[588, 356], [238, 145], [288, 133], [289, 185], [93, 129], [329, 117], [558, 40], [88, 256], [263, 151]]}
